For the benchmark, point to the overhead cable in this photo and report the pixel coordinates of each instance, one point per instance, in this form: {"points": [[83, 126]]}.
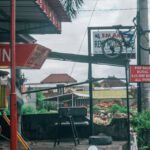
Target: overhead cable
{"points": [[84, 35]]}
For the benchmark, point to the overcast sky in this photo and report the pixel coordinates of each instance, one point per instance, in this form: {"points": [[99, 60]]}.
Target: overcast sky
{"points": [[107, 13]]}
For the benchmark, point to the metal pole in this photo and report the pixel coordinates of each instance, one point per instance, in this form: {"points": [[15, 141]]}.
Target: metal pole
{"points": [[128, 103], [139, 102], [142, 56], [72, 99], [13, 103], [57, 103], [90, 82]]}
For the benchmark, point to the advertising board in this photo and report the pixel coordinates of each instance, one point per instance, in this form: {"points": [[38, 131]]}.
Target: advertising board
{"points": [[99, 37], [27, 55], [139, 73]]}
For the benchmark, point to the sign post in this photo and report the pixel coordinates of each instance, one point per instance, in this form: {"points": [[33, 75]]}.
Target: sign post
{"points": [[108, 44], [13, 101]]}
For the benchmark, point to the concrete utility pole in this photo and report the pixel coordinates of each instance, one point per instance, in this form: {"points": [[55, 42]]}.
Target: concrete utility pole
{"points": [[142, 56]]}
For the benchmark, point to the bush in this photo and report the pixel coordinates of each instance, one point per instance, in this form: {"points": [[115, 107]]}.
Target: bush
{"points": [[40, 101], [141, 124], [117, 109], [42, 111], [96, 109], [27, 109], [141, 121], [50, 106]]}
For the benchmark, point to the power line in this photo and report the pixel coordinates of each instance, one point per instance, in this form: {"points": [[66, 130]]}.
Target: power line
{"points": [[84, 35], [98, 10], [107, 10]]}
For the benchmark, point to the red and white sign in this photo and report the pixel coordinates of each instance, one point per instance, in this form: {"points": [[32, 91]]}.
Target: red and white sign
{"points": [[27, 55], [139, 73]]}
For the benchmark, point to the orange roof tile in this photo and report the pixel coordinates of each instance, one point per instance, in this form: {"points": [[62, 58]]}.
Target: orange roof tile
{"points": [[58, 78]]}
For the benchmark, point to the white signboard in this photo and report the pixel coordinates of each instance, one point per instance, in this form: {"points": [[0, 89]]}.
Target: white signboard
{"points": [[100, 36]]}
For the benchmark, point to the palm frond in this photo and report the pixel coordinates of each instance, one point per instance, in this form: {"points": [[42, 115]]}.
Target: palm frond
{"points": [[72, 6]]}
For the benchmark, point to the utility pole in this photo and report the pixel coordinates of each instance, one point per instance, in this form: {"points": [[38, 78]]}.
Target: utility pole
{"points": [[13, 101], [142, 56]]}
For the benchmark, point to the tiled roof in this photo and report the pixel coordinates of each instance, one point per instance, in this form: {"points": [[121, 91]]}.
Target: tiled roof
{"points": [[112, 82], [58, 78]]}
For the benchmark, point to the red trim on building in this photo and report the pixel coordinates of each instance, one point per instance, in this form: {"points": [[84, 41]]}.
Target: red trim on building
{"points": [[49, 13]]}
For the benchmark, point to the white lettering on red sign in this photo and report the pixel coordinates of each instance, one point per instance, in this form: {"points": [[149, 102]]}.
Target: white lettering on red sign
{"points": [[5, 55], [140, 73]]}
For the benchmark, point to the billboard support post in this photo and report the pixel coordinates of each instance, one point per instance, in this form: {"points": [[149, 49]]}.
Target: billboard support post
{"points": [[90, 82], [128, 104], [109, 61]]}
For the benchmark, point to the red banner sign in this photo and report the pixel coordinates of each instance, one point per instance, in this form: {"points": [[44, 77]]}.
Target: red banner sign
{"points": [[139, 73], [27, 55]]}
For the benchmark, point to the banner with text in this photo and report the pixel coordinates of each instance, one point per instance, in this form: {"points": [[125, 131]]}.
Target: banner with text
{"points": [[139, 73], [27, 55], [99, 37]]}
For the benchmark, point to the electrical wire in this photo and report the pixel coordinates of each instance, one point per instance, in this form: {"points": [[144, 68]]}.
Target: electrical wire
{"points": [[98, 10], [74, 64], [109, 10]]}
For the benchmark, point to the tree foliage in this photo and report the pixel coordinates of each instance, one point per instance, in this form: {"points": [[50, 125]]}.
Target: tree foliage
{"points": [[27, 109], [43, 106], [39, 101], [72, 6], [117, 108], [141, 124], [96, 84], [96, 109]]}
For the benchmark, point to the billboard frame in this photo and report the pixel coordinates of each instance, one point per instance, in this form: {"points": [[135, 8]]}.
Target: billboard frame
{"points": [[122, 56], [90, 78]]}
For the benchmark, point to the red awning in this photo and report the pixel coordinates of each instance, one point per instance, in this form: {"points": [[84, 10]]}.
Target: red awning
{"points": [[27, 55]]}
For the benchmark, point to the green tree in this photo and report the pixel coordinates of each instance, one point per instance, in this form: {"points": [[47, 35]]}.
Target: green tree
{"points": [[96, 84], [117, 109], [72, 6], [27, 109], [39, 100], [141, 124]]}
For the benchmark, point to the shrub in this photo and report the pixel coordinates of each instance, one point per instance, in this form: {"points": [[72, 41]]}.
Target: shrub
{"points": [[50, 106], [96, 109], [141, 124], [117, 108], [27, 109], [40, 100], [42, 111], [141, 121]]}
